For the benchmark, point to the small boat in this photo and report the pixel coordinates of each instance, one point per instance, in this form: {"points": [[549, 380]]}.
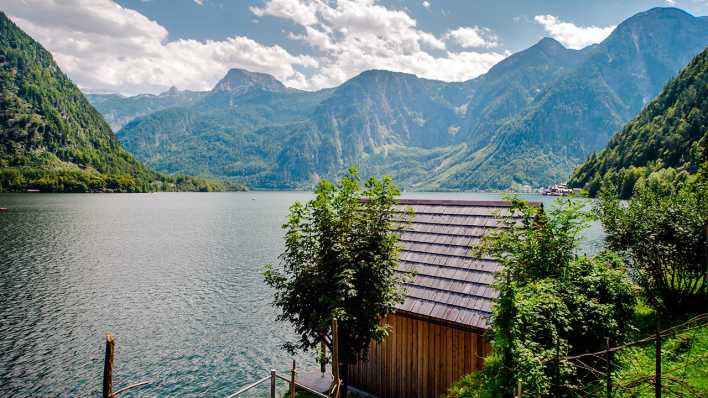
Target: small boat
{"points": [[557, 190]]}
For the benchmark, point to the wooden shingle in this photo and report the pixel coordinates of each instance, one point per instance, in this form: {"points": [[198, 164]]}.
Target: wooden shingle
{"points": [[450, 284]]}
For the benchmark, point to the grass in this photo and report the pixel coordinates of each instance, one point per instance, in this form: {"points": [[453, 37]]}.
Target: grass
{"points": [[684, 362]]}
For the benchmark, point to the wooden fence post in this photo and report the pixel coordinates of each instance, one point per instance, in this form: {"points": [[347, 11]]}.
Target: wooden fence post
{"points": [[108, 367], [558, 362], [335, 355], [609, 369], [272, 383], [705, 250], [323, 355], [292, 381], [657, 384], [518, 388]]}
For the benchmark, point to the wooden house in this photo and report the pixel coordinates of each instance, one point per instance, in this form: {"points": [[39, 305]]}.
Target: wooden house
{"points": [[437, 332]]}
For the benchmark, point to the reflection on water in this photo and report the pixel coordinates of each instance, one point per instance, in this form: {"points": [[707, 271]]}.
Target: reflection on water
{"points": [[175, 277]]}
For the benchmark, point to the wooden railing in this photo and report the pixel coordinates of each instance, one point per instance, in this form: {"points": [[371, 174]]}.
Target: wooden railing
{"points": [[333, 392], [293, 386]]}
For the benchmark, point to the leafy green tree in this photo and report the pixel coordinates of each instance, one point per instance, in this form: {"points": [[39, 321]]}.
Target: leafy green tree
{"points": [[552, 303], [661, 233], [339, 262]]}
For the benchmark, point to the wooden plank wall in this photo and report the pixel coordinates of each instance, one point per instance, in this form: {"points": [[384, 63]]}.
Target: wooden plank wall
{"points": [[418, 359]]}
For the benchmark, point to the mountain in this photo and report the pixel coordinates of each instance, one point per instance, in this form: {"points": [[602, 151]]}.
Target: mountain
{"points": [[530, 120], [665, 137], [51, 138], [384, 122], [513, 84], [580, 111], [118, 110]]}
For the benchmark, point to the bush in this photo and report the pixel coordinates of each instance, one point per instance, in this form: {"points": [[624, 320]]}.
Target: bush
{"points": [[552, 303]]}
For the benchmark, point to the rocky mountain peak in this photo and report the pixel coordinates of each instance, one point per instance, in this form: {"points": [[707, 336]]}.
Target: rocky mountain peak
{"points": [[239, 81]]}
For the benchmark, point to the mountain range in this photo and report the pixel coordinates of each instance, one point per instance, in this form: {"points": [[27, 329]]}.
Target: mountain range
{"points": [[667, 141], [530, 120]]}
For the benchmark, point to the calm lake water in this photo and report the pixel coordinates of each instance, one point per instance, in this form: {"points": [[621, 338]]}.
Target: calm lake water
{"points": [[175, 277]]}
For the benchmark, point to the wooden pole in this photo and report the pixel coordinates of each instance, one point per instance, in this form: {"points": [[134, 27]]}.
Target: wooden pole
{"points": [[558, 363], [657, 384], [292, 381], [705, 249], [272, 383], [518, 388], [335, 354], [609, 369], [323, 355], [108, 367]]}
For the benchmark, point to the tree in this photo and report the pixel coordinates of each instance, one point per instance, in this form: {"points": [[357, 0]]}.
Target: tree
{"points": [[552, 303], [339, 262], [661, 233]]}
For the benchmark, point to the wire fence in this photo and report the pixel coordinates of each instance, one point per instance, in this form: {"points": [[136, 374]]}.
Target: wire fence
{"points": [[601, 365]]}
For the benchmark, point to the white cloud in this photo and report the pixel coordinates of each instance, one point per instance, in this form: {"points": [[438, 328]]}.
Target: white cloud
{"points": [[470, 37], [426, 4], [351, 36], [571, 35], [299, 12], [103, 46]]}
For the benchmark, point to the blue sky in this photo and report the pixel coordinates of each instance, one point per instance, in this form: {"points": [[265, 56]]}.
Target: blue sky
{"points": [[138, 46]]}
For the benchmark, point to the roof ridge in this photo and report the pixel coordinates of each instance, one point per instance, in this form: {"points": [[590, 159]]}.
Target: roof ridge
{"points": [[460, 202]]}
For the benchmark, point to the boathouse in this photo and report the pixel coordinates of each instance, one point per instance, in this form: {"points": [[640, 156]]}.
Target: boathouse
{"points": [[437, 332]]}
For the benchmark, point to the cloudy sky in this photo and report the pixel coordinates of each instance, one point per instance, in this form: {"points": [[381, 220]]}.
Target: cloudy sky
{"points": [[146, 46]]}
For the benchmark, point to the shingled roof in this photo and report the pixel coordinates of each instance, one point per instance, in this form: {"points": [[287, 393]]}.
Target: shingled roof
{"points": [[450, 285]]}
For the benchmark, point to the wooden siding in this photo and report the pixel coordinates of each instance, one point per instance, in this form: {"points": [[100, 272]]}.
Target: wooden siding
{"points": [[420, 358]]}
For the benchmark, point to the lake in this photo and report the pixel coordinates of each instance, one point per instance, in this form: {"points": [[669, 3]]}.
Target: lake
{"points": [[175, 277]]}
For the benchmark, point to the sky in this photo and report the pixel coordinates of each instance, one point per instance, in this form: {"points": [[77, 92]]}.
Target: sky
{"points": [[146, 46]]}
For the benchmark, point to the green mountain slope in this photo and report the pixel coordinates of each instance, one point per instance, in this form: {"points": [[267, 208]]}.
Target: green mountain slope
{"points": [[118, 110], [664, 136], [51, 138]]}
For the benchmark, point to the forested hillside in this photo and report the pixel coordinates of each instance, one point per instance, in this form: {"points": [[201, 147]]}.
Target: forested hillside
{"points": [[660, 145], [51, 138]]}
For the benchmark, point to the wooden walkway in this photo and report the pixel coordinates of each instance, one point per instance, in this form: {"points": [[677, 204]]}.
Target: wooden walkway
{"points": [[317, 380]]}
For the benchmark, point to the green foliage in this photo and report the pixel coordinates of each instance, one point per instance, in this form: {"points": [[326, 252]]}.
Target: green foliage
{"points": [[552, 303], [339, 262], [661, 234], [660, 147]]}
